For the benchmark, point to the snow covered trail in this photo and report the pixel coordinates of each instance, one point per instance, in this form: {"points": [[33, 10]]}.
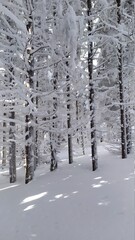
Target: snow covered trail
{"points": [[72, 203]]}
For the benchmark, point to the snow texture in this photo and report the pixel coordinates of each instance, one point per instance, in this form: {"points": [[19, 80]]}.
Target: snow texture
{"points": [[71, 203]]}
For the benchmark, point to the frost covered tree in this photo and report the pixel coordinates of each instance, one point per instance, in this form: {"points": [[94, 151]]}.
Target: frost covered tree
{"points": [[67, 70], [29, 148], [65, 40], [121, 88], [112, 35], [11, 26], [91, 87]]}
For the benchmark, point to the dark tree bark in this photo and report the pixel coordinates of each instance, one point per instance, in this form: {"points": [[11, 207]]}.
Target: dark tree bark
{"points": [[53, 134], [29, 154], [77, 118], [12, 143], [36, 134], [70, 150], [128, 131], [82, 142], [12, 149], [29, 148], [53, 163], [121, 90], [129, 4], [91, 90], [4, 153]]}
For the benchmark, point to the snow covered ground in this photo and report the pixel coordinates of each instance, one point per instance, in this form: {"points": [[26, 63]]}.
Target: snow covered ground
{"points": [[72, 203]]}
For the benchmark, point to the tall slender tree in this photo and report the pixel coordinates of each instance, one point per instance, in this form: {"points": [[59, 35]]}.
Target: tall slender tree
{"points": [[11, 83], [70, 151], [91, 88], [29, 149], [54, 134], [4, 153], [121, 89]]}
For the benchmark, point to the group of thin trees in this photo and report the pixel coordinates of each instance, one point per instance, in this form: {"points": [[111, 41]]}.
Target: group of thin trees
{"points": [[67, 70]]}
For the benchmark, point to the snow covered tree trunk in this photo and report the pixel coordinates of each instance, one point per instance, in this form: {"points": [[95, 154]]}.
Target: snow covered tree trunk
{"points": [[128, 131], [77, 118], [53, 134], [130, 8], [29, 149], [4, 143], [29, 171], [53, 163], [81, 137], [12, 143], [12, 149], [82, 142], [121, 89], [91, 90], [36, 133], [70, 150], [122, 108]]}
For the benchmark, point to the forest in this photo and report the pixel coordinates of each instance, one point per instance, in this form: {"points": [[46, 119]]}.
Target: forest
{"points": [[67, 119], [67, 77]]}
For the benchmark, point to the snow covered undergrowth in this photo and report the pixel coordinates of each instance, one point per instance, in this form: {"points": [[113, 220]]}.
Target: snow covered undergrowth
{"points": [[72, 203]]}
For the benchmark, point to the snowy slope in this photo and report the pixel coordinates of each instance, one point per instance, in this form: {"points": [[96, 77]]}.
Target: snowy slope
{"points": [[71, 203]]}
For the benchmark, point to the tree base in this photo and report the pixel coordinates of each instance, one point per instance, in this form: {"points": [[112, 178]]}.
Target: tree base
{"points": [[94, 164], [53, 165]]}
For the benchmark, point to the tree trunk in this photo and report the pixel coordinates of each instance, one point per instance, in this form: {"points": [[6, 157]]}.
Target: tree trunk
{"points": [[12, 143], [70, 150], [30, 141], [128, 131], [36, 134], [121, 90], [82, 142], [91, 91], [29, 153], [53, 134], [77, 118], [53, 164], [12, 149], [79, 138], [4, 144]]}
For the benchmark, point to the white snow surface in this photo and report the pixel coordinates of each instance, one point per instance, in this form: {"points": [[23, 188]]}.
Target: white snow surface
{"points": [[71, 203]]}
